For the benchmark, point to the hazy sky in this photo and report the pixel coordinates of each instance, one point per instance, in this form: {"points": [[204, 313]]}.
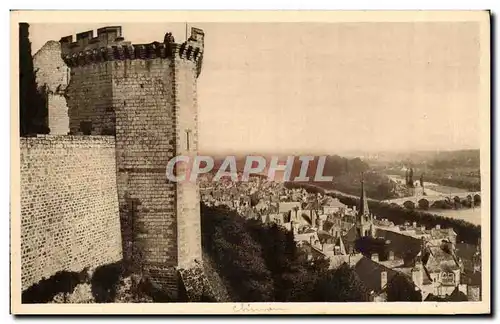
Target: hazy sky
{"points": [[327, 87]]}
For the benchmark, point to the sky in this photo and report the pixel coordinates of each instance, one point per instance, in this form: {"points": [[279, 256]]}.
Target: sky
{"points": [[327, 87]]}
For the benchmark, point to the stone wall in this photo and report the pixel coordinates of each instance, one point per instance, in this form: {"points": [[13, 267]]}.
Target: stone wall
{"points": [[69, 205]]}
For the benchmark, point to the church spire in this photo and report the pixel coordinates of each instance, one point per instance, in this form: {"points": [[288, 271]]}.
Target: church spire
{"points": [[363, 201]]}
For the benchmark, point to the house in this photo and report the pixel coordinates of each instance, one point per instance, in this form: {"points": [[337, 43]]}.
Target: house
{"points": [[437, 234], [312, 251], [306, 234], [333, 206], [287, 207], [279, 219], [404, 247], [261, 205], [335, 225], [473, 282], [349, 239], [375, 277], [437, 270]]}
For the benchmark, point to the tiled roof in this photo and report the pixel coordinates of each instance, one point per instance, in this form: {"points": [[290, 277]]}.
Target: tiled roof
{"points": [[440, 260], [324, 237], [327, 225], [349, 239], [403, 246], [370, 274]]}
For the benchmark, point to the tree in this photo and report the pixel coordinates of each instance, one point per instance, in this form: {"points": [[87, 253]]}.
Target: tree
{"points": [[410, 178], [368, 245], [32, 104], [237, 255], [401, 289], [341, 285]]}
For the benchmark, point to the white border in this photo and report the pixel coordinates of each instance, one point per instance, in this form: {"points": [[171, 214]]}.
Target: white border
{"points": [[267, 5]]}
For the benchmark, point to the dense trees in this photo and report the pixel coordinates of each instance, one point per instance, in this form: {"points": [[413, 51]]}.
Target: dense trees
{"points": [[368, 246], [401, 289], [262, 263], [237, 255], [32, 106], [341, 285]]}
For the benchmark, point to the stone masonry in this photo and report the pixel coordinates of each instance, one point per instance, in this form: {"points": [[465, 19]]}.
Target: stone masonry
{"points": [[52, 77], [144, 95], [69, 206]]}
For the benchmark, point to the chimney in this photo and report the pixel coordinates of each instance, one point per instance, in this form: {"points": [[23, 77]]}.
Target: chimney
{"points": [[375, 257], [383, 279], [438, 226], [391, 256]]}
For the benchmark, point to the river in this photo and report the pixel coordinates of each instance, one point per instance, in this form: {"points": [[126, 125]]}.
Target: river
{"points": [[467, 214]]}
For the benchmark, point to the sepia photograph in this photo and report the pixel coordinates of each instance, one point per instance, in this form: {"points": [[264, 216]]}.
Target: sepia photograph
{"points": [[250, 162]]}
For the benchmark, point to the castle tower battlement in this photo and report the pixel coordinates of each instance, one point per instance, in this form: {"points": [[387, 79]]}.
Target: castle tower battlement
{"points": [[109, 45], [145, 96]]}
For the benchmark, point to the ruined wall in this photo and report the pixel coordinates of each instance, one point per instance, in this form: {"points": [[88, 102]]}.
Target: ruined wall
{"points": [[52, 77], [69, 205], [89, 98]]}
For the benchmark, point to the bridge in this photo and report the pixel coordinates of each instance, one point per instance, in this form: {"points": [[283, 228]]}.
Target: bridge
{"points": [[424, 201]]}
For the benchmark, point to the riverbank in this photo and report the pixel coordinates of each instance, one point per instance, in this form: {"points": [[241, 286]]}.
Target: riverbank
{"points": [[466, 214]]}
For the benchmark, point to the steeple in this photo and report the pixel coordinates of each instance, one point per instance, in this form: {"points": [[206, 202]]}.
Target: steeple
{"points": [[363, 202], [364, 220]]}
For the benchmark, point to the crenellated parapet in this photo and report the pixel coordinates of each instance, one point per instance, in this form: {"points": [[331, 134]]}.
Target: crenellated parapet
{"points": [[109, 45]]}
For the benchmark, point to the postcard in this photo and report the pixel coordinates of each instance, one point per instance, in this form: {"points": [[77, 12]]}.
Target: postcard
{"points": [[260, 162]]}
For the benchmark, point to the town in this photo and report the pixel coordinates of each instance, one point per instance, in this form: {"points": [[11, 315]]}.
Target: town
{"points": [[430, 258]]}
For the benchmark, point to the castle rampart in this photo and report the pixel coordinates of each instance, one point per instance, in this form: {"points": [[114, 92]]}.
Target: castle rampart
{"points": [[69, 206]]}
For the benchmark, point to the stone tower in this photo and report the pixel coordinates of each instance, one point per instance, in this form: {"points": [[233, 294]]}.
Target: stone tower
{"points": [[145, 96], [364, 220]]}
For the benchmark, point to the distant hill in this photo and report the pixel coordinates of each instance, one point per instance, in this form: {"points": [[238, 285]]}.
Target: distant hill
{"points": [[433, 159], [460, 169]]}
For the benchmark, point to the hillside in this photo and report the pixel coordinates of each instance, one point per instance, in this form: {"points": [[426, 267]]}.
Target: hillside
{"points": [[261, 263], [459, 169]]}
